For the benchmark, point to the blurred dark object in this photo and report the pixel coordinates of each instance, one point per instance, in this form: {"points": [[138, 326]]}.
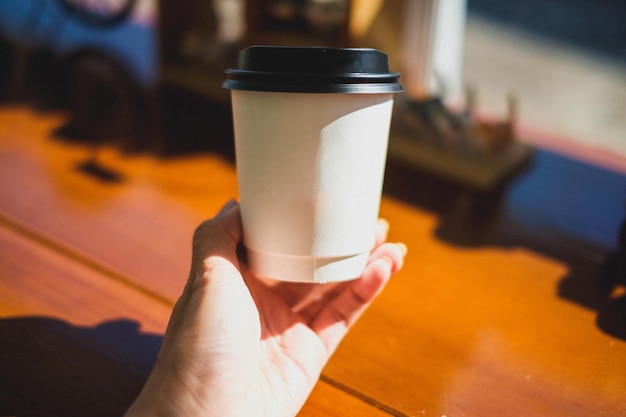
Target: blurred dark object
{"points": [[325, 18], [594, 25], [612, 317], [103, 14], [192, 123], [96, 59], [200, 39], [105, 103]]}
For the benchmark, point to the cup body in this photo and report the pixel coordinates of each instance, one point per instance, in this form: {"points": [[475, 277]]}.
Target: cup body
{"points": [[310, 168]]}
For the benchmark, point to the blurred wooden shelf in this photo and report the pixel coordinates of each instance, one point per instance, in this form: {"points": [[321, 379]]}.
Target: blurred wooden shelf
{"points": [[480, 172]]}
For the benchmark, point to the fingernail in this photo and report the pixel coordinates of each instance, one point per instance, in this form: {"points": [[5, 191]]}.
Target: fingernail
{"points": [[389, 263], [228, 206], [403, 248]]}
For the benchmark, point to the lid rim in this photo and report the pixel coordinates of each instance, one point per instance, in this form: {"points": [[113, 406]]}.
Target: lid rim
{"points": [[245, 73], [353, 88], [312, 69]]}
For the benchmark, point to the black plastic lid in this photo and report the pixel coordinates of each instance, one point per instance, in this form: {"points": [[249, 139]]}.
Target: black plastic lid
{"points": [[312, 70]]}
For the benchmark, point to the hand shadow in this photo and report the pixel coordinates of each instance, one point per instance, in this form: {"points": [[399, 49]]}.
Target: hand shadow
{"points": [[49, 367]]}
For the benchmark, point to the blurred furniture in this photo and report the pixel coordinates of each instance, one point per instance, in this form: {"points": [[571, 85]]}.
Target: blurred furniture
{"points": [[96, 58], [200, 39]]}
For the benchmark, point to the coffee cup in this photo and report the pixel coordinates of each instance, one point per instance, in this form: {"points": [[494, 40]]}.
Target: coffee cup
{"points": [[311, 128]]}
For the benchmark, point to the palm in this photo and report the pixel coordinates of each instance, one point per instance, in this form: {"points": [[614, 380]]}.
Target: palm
{"points": [[301, 325], [291, 353], [246, 347]]}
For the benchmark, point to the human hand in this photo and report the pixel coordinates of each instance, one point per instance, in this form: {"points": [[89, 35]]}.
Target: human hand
{"points": [[237, 345]]}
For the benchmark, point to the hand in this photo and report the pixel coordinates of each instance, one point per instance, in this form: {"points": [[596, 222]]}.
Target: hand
{"points": [[238, 346]]}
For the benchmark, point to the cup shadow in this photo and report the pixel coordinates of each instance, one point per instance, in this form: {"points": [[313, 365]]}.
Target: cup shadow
{"points": [[49, 367]]}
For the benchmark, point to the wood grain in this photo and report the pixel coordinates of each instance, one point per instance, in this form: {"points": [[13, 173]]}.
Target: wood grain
{"points": [[498, 321], [76, 342], [73, 342], [480, 332], [140, 227]]}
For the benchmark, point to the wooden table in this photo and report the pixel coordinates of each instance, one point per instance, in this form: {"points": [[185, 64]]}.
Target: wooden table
{"points": [[488, 318]]}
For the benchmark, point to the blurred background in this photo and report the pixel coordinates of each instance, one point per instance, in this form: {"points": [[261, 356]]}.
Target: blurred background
{"points": [[564, 60], [547, 75]]}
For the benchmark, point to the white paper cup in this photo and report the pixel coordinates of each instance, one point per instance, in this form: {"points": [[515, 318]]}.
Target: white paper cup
{"points": [[311, 154]]}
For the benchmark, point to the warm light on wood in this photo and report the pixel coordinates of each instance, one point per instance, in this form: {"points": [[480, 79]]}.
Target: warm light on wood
{"points": [[463, 330]]}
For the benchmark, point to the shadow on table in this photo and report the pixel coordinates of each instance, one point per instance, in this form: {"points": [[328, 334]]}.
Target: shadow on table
{"points": [[49, 367], [187, 124], [561, 208]]}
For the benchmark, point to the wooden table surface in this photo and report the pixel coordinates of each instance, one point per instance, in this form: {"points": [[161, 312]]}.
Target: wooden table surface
{"points": [[501, 320]]}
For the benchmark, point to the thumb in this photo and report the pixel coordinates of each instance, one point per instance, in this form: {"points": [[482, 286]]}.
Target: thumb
{"points": [[214, 239], [219, 237]]}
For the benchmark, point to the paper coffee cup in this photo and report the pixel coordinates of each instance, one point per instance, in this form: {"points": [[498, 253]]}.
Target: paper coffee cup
{"points": [[311, 132]]}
